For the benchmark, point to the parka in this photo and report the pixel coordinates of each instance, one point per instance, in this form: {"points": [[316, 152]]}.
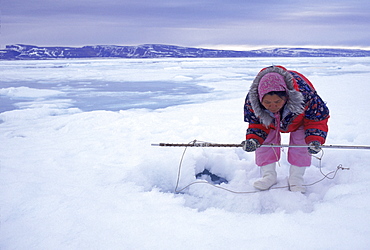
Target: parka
{"points": [[304, 107]]}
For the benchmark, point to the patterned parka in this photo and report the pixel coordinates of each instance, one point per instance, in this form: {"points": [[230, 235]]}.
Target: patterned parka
{"points": [[304, 107]]}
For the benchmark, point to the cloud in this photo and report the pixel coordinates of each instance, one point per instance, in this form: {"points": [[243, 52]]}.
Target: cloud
{"points": [[185, 22]]}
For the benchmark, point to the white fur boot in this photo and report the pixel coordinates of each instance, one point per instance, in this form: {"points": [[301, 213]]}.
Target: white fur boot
{"points": [[268, 177], [296, 179]]}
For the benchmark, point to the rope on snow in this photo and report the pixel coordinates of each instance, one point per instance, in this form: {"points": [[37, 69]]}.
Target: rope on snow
{"points": [[331, 175]]}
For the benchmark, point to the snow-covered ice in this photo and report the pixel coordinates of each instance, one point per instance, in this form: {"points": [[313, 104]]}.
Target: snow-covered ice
{"points": [[77, 169]]}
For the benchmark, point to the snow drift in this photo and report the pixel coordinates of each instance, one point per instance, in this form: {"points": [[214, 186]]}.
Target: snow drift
{"points": [[78, 170]]}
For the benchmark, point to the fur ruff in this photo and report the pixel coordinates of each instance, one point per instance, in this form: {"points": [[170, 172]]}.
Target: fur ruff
{"points": [[295, 103]]}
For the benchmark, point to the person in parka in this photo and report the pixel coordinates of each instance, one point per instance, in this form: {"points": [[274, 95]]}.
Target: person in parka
{"points": [[281, 100]]}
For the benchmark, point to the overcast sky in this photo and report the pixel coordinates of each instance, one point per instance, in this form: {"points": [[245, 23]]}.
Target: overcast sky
{"points": [[196, 23]]}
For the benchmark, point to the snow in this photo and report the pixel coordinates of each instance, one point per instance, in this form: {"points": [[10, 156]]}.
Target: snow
{"points": [[77, 169]]}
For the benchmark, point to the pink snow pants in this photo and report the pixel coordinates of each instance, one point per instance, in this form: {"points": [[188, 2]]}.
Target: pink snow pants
{"points": [[296, 156]]}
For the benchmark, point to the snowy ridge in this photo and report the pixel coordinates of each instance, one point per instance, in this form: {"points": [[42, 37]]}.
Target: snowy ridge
{"points": [[20, 51]]}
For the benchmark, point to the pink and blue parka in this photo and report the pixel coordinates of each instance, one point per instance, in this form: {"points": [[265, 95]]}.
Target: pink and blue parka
{"points": [[304, 107]]}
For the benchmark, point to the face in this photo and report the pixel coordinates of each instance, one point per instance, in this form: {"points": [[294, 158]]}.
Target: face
{"points": [[273, 103]]}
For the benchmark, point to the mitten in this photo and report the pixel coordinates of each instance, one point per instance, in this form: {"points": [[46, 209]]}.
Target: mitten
{"points": [[314, 147], [250, 145]]}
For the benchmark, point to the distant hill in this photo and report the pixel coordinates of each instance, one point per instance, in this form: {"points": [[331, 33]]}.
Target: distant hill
{"points": [[27, 52]]}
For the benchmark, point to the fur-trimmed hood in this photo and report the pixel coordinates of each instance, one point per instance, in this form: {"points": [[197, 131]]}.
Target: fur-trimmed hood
{"points": [[295, 103]]}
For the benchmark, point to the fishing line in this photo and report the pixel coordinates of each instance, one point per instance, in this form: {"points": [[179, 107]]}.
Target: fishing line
{"points": [[331, 175]]}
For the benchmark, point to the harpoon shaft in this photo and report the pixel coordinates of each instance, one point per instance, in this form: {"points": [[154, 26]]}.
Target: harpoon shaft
{"points": [[221, 145]]}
